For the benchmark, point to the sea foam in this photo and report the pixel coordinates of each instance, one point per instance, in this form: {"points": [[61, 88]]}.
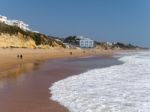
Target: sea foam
{"points": [[119, 88]]}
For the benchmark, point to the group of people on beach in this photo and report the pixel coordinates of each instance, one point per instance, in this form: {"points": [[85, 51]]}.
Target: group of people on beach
{"points": [[20, 56]]}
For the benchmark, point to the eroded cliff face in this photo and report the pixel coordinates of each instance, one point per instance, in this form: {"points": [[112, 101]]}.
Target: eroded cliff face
{"points": [[16, 41], [14, 37], [21, 41]]}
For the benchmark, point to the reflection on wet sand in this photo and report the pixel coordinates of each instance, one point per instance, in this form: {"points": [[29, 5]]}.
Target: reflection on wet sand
{"points": [[18, 72], [28, 92]]}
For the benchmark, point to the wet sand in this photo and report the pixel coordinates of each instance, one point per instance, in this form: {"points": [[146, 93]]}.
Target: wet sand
{"points": [[25, 88], [9, 59]]}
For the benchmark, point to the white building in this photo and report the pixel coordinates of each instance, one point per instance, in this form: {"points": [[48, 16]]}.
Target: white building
{"points": [[3, 19], [109, 43], [21, 25], [17, 23], [86, 43]]}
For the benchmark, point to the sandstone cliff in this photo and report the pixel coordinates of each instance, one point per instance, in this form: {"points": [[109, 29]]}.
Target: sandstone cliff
{"points": [[14, 37]]}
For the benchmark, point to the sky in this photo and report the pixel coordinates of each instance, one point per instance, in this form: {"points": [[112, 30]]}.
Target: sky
{"points": [[102, 20]]}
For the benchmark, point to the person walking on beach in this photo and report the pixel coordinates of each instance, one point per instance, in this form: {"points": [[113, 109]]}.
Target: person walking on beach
{"points": [[18, 56], [21, 56], [70, 53]]}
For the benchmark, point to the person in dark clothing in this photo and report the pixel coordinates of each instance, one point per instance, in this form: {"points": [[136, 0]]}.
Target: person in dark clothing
{"points": [[70, 53], [18, 56], [21, 56]]}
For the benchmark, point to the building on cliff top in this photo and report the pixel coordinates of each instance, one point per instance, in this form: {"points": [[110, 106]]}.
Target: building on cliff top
{"points": [[17, 23]]}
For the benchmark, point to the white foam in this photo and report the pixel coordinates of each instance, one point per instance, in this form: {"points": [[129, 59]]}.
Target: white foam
{"points": [[119, 88]]}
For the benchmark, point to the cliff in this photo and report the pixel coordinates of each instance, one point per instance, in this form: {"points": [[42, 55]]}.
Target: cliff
{"points": [[14, 37]]}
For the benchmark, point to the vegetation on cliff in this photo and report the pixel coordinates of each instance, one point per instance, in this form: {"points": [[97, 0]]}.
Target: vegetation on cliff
{"points": [[13, 36], [116, 45], [38, 38], [71, 40]]}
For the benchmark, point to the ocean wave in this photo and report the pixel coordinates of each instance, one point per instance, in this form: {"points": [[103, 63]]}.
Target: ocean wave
{"points": [[119, 88]]}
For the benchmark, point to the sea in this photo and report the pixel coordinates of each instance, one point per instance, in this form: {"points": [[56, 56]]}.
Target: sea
{"points": [[117, 88]]}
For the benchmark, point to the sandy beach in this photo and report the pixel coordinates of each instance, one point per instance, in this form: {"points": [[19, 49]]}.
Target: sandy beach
{"points": [[24, 83], [74, 56], [8, 57]]}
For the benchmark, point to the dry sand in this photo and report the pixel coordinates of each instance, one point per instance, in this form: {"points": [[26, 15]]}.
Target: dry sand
{"points": [[8, 57]]}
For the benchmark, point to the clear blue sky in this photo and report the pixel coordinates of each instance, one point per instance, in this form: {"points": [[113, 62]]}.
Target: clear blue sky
{"points": [[103, 20]]}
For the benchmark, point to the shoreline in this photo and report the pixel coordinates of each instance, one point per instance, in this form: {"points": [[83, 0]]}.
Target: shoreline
{"points": [[33, 73], [8, 57], [108, 88], [41, 79]]}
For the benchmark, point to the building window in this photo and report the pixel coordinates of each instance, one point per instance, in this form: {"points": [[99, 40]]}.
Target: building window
{"points": [[86, 43]]}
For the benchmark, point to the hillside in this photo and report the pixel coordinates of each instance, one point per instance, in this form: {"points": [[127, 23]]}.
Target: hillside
{"points": [[13, 36], [71, 40], [116, 45], [74, 40]]}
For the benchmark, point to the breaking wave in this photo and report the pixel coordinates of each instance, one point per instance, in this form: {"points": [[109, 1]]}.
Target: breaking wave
{"points": [[119, 88]]}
